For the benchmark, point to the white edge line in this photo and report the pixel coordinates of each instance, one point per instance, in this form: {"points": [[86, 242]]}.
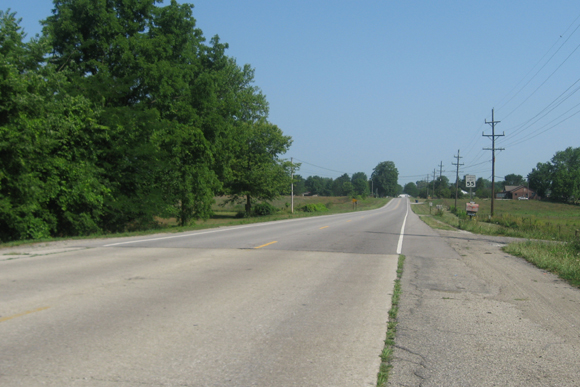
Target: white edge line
{"points": [[234, 228], [400, 244]]}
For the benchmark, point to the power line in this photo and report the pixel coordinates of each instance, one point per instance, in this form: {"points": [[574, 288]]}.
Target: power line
{"points": [[545, 64]]}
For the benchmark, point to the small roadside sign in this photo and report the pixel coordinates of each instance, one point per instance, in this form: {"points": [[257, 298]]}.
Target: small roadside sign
{"points": [[470, 181]]}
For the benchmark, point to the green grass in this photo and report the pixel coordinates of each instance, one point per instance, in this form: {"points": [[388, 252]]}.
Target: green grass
{"points": [[226, 216], [387, 353], [562, 259], [515, 218]]}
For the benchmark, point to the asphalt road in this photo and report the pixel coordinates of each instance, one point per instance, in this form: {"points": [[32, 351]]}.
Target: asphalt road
{"points": [[288, 303]]}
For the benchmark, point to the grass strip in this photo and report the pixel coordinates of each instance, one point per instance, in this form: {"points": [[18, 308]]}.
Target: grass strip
{"points": [[562, 259], [387, 354]]}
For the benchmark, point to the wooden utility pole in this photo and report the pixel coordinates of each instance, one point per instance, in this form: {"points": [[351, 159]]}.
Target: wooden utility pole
{"points": [[492, 149], [292, 179], [457, 177], [434, 171]]}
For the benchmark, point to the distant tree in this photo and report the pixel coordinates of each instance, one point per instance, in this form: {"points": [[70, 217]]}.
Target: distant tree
{"points": [[258, 172], [360, 183], [314, 185], [348, 188], [513, 179], [384, 177], [442, 187], [411, 189], [399, 190], [299, 185], [566, 175], [540, 179], [338, 185]]}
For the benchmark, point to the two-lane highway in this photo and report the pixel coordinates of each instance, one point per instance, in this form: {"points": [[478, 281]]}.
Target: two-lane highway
{"points": [[296, 303]]}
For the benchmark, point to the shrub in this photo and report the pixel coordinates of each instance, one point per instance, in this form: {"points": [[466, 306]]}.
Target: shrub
{"points": [[319, 207], [262, 209]]}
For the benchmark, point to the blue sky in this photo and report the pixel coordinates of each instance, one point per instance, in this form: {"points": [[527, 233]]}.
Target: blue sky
{"points": [[359, 82]]}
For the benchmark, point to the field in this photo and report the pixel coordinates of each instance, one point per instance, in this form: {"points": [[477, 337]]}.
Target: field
{"points": [[552, 229], [518, 218]]}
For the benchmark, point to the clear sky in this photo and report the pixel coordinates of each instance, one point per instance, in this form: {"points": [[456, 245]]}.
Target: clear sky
{"points": [[359, 82]]}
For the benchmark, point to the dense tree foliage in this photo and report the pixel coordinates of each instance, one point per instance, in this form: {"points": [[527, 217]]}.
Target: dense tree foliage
{"points": [[121, 112], [360, 183], [411, 189], [385, 177], [559, 179]]}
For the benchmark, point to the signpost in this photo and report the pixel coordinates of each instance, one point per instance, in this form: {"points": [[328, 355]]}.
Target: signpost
{"points": [[470, 183]]}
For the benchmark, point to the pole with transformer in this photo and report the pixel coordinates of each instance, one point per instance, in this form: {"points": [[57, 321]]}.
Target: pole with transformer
{"points": [[492, 149]]}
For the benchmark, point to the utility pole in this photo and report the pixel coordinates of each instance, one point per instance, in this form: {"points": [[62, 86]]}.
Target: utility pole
{"points": [[440, 170], [492, 149], [292, 179], [434, 171], [427, 181], [457, 177]]}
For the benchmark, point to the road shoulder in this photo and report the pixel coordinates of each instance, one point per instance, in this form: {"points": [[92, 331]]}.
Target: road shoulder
{"points": [[470, 314]]}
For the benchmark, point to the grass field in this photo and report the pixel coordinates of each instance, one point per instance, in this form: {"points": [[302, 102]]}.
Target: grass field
{"points": [[518, 218], [552, 230]]}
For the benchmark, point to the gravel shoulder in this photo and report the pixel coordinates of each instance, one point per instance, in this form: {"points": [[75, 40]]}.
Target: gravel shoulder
{"points": [[472, 315]]}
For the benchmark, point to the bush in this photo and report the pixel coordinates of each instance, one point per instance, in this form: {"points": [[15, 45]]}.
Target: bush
{"points": [[262, 209], [319, 207]]}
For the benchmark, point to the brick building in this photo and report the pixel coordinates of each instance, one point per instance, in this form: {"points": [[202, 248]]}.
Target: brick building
{"points": [[516, 192]]}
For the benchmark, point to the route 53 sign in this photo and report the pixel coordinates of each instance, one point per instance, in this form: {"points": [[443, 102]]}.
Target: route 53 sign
{"points": [[470, 181]]}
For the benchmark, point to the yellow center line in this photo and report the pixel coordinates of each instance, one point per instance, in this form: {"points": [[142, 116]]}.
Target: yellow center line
{"points": [[324, 227], [267, 244], [350, 220], [23, 314]]}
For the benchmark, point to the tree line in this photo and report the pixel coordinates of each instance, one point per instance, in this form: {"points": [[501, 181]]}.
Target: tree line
{"points": [[556, 180], [383, 182], [121, 112]]}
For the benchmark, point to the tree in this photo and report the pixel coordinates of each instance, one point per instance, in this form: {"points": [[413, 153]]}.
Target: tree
{"points": [[384, 177], [411, 189], [360, 184], [540, 179], [442, 187], [513, 179], [299, 184], [257, 170], [338, 185], [566, 175], [314, 185], [50, 183]]}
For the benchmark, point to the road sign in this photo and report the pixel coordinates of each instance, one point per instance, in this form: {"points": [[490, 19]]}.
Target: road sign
{"points": [[470, 181]]}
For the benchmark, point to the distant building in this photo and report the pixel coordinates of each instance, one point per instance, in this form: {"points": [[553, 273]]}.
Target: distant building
{"points": [[516, 192]]}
